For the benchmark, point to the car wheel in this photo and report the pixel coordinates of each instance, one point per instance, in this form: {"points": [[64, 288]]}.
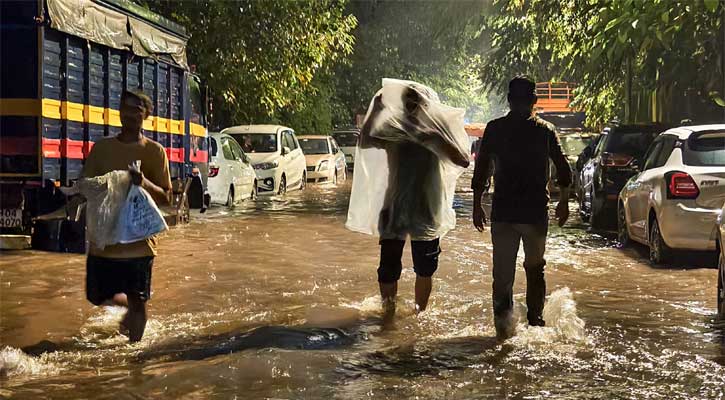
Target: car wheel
{"points": [[282, 186], [721, 286], [230, 197], [622, 233], [597, 215], [303, 184], [255, 190], [582, 211], [659, 253]]}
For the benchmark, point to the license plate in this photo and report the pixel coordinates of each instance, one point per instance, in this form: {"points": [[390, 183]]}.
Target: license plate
{"points": [[11, 217], [348, 158]]}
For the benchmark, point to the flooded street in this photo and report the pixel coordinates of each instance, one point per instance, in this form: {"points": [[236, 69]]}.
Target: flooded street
{"points": [[276, 299]]}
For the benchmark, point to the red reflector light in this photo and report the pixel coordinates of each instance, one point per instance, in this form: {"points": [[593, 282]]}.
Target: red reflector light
{"points": [[682, 186], [213, 171], [616, 160]]}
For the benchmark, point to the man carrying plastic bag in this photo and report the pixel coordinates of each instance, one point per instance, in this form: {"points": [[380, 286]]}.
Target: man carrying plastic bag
{"points": [[120, 273], [412, 150]]}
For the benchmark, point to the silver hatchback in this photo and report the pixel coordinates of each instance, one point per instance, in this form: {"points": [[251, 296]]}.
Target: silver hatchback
{"points": [[673, 202]]}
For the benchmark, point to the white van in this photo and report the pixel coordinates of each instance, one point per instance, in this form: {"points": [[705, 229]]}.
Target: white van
{"points": [[275, 154]]}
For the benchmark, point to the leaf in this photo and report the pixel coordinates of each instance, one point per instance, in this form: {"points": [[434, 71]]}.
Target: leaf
{"points": [[719, 101], [612, 24], [711, 5]]}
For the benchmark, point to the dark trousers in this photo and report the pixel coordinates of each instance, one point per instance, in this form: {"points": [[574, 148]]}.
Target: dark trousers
{"points": [[506, 238], [425, 258]]}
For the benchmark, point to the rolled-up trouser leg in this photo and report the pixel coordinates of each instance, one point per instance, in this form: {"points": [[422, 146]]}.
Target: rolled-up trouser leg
{"points": [[391, 253], [506, 241], [534, 238], [425, 256]]}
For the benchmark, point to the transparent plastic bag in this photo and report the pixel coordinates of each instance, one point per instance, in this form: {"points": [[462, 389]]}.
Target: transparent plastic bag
{"points": [[105, 197], [404, 183], [140, 217]]}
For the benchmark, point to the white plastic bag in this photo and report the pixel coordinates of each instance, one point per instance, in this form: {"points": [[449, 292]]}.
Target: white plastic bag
{"points": [[105, 196], [403, 186], [140, 217]]}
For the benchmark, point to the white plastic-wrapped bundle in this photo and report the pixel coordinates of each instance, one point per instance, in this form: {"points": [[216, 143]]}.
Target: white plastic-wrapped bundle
{"points": [[411, 152], [105, 196]]}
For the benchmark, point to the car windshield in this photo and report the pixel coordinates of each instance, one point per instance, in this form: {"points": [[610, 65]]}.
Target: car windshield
{"points": [[634, 144], [257, 142], [314, 146], [346, 139], [705, 149], [574, 145]]}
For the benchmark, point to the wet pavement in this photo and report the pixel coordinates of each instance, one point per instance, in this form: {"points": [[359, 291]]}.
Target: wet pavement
{"points": [[276, 299]]}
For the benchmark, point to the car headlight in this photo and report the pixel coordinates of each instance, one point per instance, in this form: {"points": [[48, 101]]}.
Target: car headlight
{"points": [[267, 165], [323, 165]]}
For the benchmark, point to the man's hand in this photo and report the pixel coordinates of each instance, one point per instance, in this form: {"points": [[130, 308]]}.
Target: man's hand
{"points": [[137, 177], [479, 217], [562, 211]]}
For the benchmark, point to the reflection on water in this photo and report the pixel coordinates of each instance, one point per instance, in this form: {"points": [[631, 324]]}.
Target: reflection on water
{"points": [[275, 299]]}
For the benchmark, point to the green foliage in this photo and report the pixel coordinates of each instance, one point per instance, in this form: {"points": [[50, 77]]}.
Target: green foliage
{"points": [[436, 43], [671, 46], [261, 58]]}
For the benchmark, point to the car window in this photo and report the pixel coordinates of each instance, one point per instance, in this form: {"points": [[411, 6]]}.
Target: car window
{"points": [[705, 149], [347, 139], [237, 150], [314, 146], [295, 142], [213, 147], [668, 144], [227, 149], [652, 155], [633, 144], [335, 147], [286, 142], [602, 142], [256, 142]]}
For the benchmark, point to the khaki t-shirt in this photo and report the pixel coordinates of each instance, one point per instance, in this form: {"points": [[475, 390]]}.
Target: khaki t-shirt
{"points": [[111, 154]]}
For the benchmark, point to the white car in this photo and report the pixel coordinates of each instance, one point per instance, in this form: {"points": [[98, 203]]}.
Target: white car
{"points": [[275, 154], [231, 176], [721, 264], [675, 199], [325, 160], [348, 144]]}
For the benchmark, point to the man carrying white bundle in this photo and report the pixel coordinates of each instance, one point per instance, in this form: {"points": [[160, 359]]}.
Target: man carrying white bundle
{"points": [[410, 193]]}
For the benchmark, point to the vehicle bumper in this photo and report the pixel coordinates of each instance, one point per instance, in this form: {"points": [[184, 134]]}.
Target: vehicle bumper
{"points": [[688, 227], [320, 176], [267, 181]]}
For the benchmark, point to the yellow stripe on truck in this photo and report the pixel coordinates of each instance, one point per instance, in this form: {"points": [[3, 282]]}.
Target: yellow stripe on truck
{"points": [[56, 109], [197, 130]]}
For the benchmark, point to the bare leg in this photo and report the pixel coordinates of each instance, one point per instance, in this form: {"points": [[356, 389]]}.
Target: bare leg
{"points": [[135, 318], [423, 286]]}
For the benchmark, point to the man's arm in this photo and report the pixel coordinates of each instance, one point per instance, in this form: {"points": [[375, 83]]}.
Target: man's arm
{"points": [[158, 181], [564, 178], [481, 174]]}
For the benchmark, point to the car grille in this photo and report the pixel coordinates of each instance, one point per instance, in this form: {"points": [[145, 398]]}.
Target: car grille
{"points": [[311, 168]]}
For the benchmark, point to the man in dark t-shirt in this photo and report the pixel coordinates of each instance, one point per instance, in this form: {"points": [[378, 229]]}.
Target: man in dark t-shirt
{"points": [[518, 147]]}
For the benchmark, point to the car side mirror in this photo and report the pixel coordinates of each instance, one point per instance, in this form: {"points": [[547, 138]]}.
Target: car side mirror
{"points": [[286, 150], [636, 165]]}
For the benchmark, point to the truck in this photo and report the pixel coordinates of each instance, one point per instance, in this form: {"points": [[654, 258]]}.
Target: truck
{"points": [[64, 66]]}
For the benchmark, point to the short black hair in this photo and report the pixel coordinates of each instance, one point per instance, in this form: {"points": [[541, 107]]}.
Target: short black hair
{"points": [[522, 86], [146, 100]]}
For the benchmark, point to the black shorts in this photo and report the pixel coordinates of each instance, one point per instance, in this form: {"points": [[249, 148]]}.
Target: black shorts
{"points": [[105, 277], [425, 258]]}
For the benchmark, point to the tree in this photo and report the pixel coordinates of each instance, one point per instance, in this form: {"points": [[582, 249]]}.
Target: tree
{"points": [[667, 49], [261, 57]]}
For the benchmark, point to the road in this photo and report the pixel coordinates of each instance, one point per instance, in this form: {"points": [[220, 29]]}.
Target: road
{"points": [[276, 299]]}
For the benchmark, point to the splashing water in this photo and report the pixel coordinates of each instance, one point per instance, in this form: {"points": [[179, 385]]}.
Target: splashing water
{"points": [[14, 362], [563, 324]]}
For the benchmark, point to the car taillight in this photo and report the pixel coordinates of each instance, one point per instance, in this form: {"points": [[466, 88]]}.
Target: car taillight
{"points": [[213, 171], [680, 185], [615, 160]]}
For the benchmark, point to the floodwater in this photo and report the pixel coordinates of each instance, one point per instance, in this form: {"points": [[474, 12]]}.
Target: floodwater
{"points": [[275, 299]]}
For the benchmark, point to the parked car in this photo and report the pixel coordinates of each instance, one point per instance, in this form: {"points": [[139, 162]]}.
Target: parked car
{"points": [[275, 154], [231, 176], [615, 160], [721, 263], [348, 144], [572, 144], [325, 159], [672, 204]]}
